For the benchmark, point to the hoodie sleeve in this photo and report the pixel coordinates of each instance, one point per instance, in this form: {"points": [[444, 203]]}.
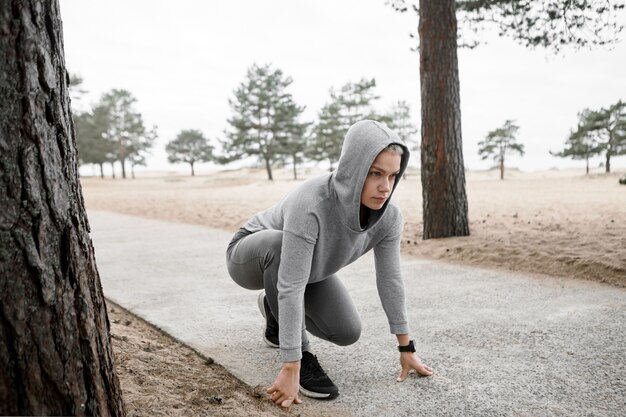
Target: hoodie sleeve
{"points": [[389, 279], [293, 275], [300, 232]]}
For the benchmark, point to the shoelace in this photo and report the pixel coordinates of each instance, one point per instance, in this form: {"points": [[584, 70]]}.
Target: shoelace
{"points": [[312, 369]]}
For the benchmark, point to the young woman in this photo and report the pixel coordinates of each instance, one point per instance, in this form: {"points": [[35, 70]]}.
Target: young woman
{"points": [[294, 249]]}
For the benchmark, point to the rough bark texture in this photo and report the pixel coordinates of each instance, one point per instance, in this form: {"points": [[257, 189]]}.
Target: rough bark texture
{"points": [[443, 175], [55, 354]]}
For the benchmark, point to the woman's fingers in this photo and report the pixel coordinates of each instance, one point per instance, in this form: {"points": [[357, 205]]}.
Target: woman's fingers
{"points": [[403, 374], [281, 399], [423, 370]]}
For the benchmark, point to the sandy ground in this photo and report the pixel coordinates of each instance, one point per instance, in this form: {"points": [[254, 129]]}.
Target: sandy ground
{"points": [[161, 377], [554, 223]]}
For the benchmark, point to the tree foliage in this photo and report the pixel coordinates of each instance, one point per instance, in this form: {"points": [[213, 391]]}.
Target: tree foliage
{"points": [[292, 135], [328, 134], [582, 143], [113, 130], [263, 111], [598, 131], [352, 102], [189, 146], [124, 126], [499, 142], [551, 24], [93, 147], [401, 122]]}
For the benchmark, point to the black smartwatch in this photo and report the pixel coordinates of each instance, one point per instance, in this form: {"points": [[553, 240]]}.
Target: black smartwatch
{"points": [[408, 348]]}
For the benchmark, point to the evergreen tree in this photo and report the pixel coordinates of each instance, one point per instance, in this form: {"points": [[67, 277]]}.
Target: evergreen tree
{"points": [[327, 136], [260, 106], [401, 122], [356, 101], [551, 24], [124, 125], [581, 143], [609, 124], [351, 103], [291, 134], [189, 146], [498, 142], [93, 147]]}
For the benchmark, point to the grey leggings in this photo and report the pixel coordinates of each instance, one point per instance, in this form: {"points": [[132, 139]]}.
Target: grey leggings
{"points": [[253, 260]]}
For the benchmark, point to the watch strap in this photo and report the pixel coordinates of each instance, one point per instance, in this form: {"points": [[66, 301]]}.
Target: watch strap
{"points": [[408, 348]]}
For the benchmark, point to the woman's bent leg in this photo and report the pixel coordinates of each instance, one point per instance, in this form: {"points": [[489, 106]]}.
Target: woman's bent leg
{"points": [[251, 255], [330, 312]]}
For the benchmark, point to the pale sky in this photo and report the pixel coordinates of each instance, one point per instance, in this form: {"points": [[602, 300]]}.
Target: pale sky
{"points": [[183, 59]]}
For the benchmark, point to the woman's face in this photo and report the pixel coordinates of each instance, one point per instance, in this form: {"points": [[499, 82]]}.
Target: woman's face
{"points": [[380, 179]]}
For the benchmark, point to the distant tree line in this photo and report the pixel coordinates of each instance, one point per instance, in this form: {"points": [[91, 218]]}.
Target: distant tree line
{"points": [[113, 131], [265, 122], [598, 132]]}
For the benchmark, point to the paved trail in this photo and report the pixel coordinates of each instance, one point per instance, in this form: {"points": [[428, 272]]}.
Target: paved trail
{"points": [[502, 344]]}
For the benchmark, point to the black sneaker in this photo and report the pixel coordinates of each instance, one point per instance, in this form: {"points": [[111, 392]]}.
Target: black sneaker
{"points": [[271, 325], [314, 382]]}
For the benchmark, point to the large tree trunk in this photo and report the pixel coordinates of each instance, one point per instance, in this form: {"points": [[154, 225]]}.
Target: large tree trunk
{"points": [[193, 172], [55, 353], [443, 175]]}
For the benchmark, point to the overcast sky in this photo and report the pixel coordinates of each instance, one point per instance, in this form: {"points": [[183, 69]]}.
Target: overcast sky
{"points": [[183, 59]]}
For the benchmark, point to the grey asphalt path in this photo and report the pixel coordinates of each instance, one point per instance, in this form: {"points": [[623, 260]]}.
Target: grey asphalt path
{"points": [[501, 344]]}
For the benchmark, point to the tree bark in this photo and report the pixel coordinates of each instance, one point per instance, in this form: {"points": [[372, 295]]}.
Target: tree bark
{"points": [[55, 353], [193, 173], [443, 173], [268, 168], [501, 169]]}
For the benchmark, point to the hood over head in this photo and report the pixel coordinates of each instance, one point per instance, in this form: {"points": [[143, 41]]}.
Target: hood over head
{"points": [[363, 142]]}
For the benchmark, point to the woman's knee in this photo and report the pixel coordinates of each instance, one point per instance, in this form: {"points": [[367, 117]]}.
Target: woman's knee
{"points": [[349, 334]]}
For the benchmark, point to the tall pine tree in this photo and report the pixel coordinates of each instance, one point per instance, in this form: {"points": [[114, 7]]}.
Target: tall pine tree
{"points": [[261, 112], [550, 24]]}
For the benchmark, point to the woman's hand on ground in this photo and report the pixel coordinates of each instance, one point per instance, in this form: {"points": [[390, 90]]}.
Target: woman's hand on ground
{"points": [[409, 361], [284, 391]]}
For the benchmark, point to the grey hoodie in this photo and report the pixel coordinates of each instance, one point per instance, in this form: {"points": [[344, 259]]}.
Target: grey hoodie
{"points": [[322, 234]]}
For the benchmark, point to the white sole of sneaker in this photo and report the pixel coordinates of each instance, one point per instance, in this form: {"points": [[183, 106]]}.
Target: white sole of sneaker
{"points": [[318, 395], [261, 306]]}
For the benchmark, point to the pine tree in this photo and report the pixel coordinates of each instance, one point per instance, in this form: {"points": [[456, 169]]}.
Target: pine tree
{"points": [[356, 101], [349, 104], [328, 134], [550, 24], [581, 143], [124, 125], [93, 147], [257, 124], [609, 124], [292, 135], [401, 122], [500, 141], [189, 146]]}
